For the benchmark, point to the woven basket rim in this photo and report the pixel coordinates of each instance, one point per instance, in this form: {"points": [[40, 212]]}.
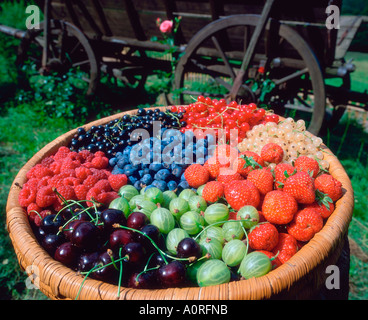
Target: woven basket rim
{"points": [[59, 282]]}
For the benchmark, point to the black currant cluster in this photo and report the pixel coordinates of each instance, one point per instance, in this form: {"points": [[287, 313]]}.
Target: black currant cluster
{"points": [[117, 134]]}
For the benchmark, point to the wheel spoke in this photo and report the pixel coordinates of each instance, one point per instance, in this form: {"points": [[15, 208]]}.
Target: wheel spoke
{"points": [[80, 63], [294, 75], [223, 56]]}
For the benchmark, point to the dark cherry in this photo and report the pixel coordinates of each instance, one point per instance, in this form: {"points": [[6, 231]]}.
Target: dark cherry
{"points": [[153, 232], [172, 274], [51, 242], [87, 261], [146, 280], [69, 228], [137, 220], [111, 216], [188, 247], [120, 237], [67, 254], [85, 235], [135, 252], [156, 261], [107, 273], [51, 223]]}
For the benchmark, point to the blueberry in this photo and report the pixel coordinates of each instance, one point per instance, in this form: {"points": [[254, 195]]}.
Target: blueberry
{"points": [[182, 185], [147, 179], [117, 170], [113, 161], [159, 184], [132, 179], [138, 185], [182, 178], [162, 175], [155, 166], [172, 185], [177, 171], [119, 154]]}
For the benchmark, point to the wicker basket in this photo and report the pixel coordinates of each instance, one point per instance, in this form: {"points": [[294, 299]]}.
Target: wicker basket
{"points": [[299, 278]]}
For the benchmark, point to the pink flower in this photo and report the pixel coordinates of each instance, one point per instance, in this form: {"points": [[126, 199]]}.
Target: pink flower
{"points": [[166, 26]]}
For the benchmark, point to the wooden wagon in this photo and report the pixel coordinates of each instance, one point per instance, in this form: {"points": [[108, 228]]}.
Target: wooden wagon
{"points": [[276, 53]]}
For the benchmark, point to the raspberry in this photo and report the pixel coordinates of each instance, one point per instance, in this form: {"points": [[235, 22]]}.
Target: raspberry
{"points": [[66, 173], [43, 182], [92, 194], [55, 167], [55, 181], [71, 181], [82, 172], [90, 181], [65, 192], [117, 181], [69, 164], [26, 196], [81, 191], [100, 174], [61, 153], [39, 171], [46, 162], [100, 154], [103, 185], [32, 183], [100, 162], [32, 210], [45, 197], [106, 197], [75, 156], [86, 155]]}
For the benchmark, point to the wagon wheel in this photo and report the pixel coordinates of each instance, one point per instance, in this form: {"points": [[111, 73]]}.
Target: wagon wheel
{"points": [[126, 68], [70, 56], [292, 78]]}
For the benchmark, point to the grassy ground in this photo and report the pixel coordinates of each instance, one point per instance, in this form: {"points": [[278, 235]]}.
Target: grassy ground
{"points": [[26, 125]]}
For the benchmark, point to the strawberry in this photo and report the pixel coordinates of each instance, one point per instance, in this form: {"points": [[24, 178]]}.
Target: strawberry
{"points": [[305, 224], [282, 171], [227, 175], [212, 191], [263, 236], [239, 193], [272, 152], [328, 185], [275, 261], [286, 247], [301, 187], [262, 179], [196, 175], [248, 161], [214, 164], [307, 164], [279, 207], [324, 209]]}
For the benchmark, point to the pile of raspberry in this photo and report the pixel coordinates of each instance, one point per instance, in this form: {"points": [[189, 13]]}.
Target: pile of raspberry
{"points": [[69, 175]]}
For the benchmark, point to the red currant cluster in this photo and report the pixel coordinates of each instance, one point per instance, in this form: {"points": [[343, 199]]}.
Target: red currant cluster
{"points": [[206, 113]]}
